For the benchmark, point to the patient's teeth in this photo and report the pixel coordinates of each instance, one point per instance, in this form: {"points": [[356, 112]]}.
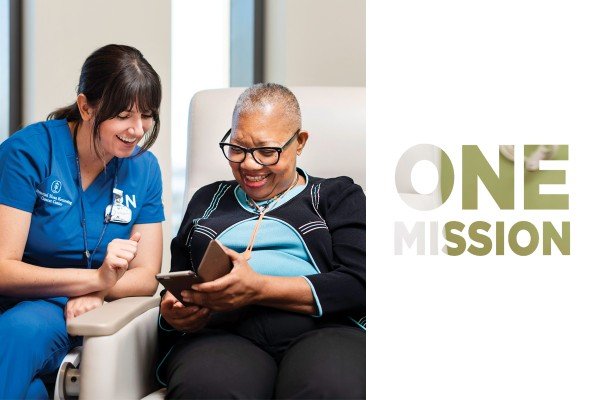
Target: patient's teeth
{"points": [[256, 178]]}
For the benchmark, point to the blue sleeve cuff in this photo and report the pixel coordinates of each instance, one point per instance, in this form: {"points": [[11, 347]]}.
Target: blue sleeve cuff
{"points": [[160, 325], [316, 298], [21, 205], [151, 219]]}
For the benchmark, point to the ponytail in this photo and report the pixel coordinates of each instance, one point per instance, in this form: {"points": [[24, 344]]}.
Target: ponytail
{"points": [[70, 113]]}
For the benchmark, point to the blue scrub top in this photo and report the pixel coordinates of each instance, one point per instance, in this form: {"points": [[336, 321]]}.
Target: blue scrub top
{"points": [[38, 174]]}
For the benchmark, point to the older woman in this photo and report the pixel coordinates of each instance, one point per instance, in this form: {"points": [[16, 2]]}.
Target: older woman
{"points": [[284, 322]]}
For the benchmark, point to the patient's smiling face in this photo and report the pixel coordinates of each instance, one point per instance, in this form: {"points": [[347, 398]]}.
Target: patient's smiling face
{"points": [[267, 127]]}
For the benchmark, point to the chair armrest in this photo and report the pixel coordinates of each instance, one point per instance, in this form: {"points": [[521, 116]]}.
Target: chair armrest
{"points": [[111, 317]]}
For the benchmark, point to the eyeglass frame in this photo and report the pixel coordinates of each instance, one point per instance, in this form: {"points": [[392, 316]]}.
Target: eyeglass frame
{"points": [[251, 150]]}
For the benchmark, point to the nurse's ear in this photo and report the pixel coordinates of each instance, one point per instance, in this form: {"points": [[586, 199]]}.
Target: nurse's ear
{"points": [[85, 110]]}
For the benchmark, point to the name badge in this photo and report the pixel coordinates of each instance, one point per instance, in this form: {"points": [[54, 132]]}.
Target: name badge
{"points": [[117, 211]]}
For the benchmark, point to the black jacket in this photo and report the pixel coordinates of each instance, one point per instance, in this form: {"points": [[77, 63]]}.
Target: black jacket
{"points": [[329, 215]]}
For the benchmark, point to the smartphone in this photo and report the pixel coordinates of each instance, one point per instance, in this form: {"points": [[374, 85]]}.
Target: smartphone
{"points": [[176, 282], [214, 264]]}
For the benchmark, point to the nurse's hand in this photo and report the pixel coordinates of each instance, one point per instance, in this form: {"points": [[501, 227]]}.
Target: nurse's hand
{"points": [[119, 254], [82, 304], [182, 318]]}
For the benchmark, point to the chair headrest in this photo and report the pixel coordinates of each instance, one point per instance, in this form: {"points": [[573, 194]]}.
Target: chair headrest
{"points": [[333, 116]]}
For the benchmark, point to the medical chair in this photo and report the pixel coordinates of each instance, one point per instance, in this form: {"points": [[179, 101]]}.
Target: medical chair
{"points": [[119, 345]]}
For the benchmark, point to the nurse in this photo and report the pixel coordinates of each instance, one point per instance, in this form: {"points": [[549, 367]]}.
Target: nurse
{"points": [[80, 214]]}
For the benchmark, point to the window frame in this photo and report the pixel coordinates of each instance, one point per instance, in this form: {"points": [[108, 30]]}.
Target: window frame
{"points": [[11, 60]]}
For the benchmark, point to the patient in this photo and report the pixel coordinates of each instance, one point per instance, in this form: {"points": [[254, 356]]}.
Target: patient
{"points": [[286, 322]]}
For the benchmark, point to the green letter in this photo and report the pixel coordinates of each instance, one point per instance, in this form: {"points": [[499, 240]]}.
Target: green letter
{"points": [[562, 242], [536, 201], [480, 238], [501, 187], [533, 234], [453, 238], [499, 238]]}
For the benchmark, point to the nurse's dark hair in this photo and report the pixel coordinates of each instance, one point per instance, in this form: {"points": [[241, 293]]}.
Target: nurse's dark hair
{"points": [[115, 78]]}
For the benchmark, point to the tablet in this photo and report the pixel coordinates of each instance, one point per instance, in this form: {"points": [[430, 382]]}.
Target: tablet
{"points": [[215, 264]]}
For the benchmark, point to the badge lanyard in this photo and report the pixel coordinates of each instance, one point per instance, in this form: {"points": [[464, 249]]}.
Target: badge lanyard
{"points": [[88, 256], [262, 211]]}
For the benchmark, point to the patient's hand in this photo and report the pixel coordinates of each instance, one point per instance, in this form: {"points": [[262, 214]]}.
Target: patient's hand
{"points": [[239, 288], [82, 304], [182, 318]]}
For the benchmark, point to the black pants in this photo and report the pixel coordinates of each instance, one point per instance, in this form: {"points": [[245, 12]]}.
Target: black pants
{"points": [[269, 354]]}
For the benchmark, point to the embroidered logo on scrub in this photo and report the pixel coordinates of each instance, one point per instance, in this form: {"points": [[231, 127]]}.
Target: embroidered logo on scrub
{"points": [[52, 192], [52, 198], [56, 186]]}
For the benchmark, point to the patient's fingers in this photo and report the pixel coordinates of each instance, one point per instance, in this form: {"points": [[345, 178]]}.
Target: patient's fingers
{"points": [[217, 285], [173, 307], [178, 304], [195, 321], [191, 296], [182, 313], [169, 300]]}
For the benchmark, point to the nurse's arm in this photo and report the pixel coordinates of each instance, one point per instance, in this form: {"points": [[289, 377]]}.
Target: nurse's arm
{"points": [[20, 279], [139, 279]]}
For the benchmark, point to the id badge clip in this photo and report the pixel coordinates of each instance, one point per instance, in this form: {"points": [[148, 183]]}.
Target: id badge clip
{"points": [[117, 211]]}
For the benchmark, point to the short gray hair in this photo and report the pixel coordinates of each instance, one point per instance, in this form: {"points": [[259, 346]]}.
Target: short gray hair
{"points": [[259, 96]]}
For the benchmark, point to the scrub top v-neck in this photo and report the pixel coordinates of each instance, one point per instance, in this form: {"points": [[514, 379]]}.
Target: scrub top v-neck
{"points": [[39, 174]]}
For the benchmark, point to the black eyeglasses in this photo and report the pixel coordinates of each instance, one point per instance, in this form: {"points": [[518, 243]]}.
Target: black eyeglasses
{"points": [[263, 155]]}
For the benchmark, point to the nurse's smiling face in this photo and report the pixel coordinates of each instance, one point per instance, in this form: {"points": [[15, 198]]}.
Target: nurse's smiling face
{"points": [[119, 135], [116, 136]]}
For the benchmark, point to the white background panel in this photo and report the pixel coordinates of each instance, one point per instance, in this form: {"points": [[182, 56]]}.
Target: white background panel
{"points": [[486, 73]]}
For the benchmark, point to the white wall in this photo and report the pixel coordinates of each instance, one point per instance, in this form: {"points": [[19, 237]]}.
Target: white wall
{"points": [[59, 35], [315, 42], [200, 61]]}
